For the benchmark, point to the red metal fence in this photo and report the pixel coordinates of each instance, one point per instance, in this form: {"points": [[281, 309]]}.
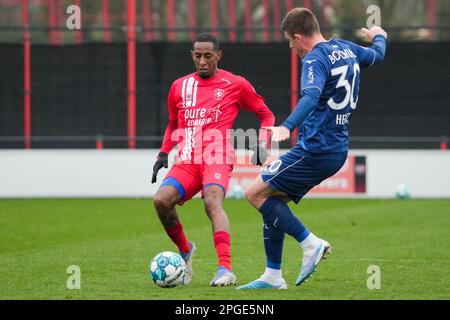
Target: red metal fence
{"points": [[180, 20], [151, 20]]}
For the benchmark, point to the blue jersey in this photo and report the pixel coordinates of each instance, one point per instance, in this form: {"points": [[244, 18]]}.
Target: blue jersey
{"points": [[330, 88]]}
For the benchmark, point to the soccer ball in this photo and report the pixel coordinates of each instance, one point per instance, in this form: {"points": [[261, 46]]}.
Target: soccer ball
{"points": [[167, 269], [403, 192]]}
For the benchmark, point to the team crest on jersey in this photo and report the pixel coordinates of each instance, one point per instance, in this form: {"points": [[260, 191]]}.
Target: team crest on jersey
{"points": [[218, 94]]}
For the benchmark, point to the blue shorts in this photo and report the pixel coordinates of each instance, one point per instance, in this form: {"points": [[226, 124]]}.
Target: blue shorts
{"points": [[298, 171]]}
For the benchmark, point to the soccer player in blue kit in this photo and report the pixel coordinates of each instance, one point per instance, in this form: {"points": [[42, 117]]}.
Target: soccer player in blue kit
{"points": [[329, 94]]}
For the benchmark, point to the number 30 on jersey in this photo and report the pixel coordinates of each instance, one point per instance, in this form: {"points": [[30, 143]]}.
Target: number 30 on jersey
{"points": [[349, 88]]}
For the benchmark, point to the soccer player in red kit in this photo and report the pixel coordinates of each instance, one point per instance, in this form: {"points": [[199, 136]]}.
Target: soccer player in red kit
{"points": [[202, 108]]}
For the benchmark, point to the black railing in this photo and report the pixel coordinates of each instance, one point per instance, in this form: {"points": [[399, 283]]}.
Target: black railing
{"points": [[100, 142]]}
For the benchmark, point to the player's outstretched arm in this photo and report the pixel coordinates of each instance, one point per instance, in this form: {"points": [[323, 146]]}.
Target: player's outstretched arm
{"points": [[373, 32], [266, 117], [376, 52], [305, 106], [253, 102], [279, 133]]}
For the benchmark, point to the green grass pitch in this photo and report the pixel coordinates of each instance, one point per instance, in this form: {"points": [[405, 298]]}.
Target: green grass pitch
{"points": [[113, 240]]}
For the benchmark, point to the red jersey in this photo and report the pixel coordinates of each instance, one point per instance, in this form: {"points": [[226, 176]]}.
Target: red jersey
{"points": [[204, 110]]}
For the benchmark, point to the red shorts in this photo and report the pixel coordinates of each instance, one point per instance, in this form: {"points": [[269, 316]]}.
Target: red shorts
{"points": [[196, 177]]}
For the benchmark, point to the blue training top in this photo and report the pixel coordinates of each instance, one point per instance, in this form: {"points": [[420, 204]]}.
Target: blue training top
{"points": [[329, 89]]}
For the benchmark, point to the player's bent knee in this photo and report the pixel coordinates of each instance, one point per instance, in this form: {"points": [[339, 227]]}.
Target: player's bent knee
{"points": [[213, 199], [213, 204], [250, 195], [255, 198], [163, 203]]}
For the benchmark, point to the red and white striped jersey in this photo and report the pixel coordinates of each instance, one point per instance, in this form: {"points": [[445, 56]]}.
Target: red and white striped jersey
{"points": [[204, 110]]}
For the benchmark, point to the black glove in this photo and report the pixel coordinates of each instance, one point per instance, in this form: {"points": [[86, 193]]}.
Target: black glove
{"points": [[161, 161], [260, 154]]}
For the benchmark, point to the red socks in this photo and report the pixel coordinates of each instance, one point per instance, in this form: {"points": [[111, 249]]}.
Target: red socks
{"points": [[178, 237], [222, 243]]}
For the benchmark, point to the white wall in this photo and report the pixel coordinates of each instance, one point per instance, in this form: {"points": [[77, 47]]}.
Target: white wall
{"points": [[77, 173], [127, 173], [426, 173]]}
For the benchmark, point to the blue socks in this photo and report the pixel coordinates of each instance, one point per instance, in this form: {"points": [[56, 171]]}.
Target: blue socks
{"points": [[278, 220], [273, 245]]}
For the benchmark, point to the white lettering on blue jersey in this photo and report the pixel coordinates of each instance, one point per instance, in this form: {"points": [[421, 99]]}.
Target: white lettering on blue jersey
{"points": [[333, 68]]}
